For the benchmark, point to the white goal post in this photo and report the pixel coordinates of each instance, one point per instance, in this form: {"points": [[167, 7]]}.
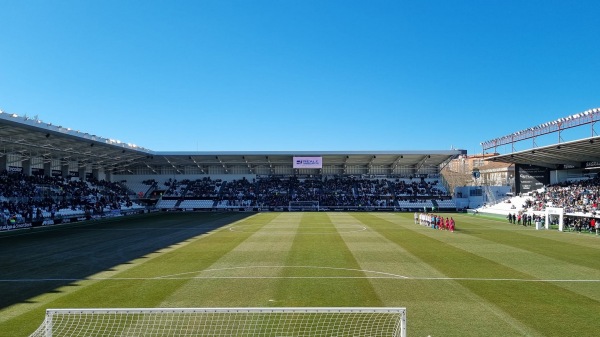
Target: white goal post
{"points": [[239, 322], [296, 206]]}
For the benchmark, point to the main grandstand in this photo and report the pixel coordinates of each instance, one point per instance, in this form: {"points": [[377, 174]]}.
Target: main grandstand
{"points": [[54, 174]]}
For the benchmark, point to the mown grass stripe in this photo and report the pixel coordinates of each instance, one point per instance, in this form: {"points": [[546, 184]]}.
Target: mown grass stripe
{"points": [[327, 250], [519, 237], [434, 301], [260, 247], [125, 293], [531, 262], [557, 306]]}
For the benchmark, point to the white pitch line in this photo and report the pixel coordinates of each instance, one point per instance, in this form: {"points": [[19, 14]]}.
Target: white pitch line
{"points": [[378, 275], [277, 267], [299, 277]]}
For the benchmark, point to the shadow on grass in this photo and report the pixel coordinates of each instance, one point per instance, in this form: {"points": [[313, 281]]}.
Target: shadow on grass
{"points": [[35, 262]]}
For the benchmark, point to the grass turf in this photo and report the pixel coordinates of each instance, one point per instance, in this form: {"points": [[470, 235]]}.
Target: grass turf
{"points": [[489, 278]]}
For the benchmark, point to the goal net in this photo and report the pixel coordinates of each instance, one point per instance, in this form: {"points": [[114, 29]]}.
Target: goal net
{"points": [[300, 206], [239, 322]]}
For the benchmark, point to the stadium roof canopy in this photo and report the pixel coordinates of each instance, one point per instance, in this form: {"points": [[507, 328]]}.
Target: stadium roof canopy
{"points": [[391, 159], [28, 138], [568, 154], [581, 153]]}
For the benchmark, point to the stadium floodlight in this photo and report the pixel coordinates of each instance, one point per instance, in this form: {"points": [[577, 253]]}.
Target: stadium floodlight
{"points": [[239, 322]]}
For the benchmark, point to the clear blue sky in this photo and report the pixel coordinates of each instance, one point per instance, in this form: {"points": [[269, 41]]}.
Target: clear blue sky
{"points": [[308, 75]]}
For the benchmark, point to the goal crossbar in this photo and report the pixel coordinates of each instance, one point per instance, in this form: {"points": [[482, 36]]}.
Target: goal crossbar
{"points": [[255, 322], [303, 206]]}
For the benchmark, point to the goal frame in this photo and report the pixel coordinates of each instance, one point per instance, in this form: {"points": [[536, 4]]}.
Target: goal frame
{"points": [[398, 318], [303, 206]]}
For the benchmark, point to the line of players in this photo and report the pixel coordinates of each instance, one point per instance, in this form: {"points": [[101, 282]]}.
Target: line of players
{"points": [[434, 221]]}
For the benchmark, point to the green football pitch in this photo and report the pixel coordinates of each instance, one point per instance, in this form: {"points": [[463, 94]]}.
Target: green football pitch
{"points": [[488, 278]]}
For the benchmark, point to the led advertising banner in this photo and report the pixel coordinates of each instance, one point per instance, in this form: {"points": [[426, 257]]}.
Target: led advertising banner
{"points": [[308, 162], [591, 164], [15, 169]]}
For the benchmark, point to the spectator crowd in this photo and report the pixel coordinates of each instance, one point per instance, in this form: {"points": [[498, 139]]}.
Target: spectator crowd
{"points": [[30, 197], [579, 200], [332, 191], [580, 196]]}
